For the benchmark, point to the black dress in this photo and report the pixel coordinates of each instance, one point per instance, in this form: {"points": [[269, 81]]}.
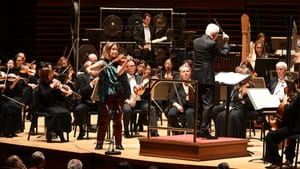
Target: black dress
{"points": [[51, 101]]}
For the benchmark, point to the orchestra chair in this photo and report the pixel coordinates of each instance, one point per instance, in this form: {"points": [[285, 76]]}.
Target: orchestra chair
{"points": [[35, 115], [297, 138], [161, 94], [134, 122], [87, 123]]}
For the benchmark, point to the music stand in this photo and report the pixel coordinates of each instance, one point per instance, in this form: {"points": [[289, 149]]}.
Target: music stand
{"points": [[297, 67], [229, 79], [263, 100], [264, 65], [96, 35], [279, 43]]}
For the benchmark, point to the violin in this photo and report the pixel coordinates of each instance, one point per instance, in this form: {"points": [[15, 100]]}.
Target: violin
{"points": [[56, 84], [29, 68], [10, 77], [140, 89]]}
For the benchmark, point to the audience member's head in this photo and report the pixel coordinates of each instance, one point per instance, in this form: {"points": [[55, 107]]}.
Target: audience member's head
{"points": [[74, 164], [124, 165], [14, 161], [223, 165], [38, 160]]}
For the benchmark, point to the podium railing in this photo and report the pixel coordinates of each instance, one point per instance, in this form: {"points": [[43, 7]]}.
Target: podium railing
{"points": [[160, 90]]}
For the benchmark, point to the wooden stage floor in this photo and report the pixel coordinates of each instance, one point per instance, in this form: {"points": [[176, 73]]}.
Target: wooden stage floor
{"points": [[84, 150]]}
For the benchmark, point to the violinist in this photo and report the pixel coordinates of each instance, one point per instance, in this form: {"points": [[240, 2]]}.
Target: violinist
{"points": [[290, 126], [84, 85], [240, 107], [248, 65], [110, 92], [11, 112], [51, 100], [64, 72]]}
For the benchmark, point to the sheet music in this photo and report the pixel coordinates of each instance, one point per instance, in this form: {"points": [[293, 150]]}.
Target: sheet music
{"points": [[230, 78], [262, 99], [159, 39]]}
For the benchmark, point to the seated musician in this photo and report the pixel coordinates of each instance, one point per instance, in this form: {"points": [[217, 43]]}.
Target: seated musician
{"points": [[257, 50], [64, 72], [11, 99], [84, 85], [240, 107], [290, 108], [51, 100], [168, 71], [138, 98], [129, 80], [181, 101], [279, 82]]}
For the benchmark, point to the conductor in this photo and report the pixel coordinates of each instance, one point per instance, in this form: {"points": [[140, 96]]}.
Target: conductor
{"points": [[205, 52]]}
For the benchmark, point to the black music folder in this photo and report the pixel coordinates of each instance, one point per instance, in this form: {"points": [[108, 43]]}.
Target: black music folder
{"points": [[261, 99]]}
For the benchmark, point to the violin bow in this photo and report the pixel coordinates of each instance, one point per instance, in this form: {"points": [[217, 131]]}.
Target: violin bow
{"points": [[5, 80]]}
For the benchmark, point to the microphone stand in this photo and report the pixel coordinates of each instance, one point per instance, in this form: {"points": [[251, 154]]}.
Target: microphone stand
{"points": [[111, 149]]}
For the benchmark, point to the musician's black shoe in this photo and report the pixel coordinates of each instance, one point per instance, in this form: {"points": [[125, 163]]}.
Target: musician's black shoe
{"points": [[48, 136], [127, 135], [154, 134], [62, 138], [98, 147], [92, 129], [119, 147], [207, 136], [81, 135], [141, 128]]}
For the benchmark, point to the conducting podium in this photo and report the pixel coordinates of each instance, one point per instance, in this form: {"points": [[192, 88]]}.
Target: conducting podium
{"points": [[229, 79]]}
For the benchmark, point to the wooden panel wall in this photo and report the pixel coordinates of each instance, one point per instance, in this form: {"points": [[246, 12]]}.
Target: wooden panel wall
{"points": [[42, 28]]}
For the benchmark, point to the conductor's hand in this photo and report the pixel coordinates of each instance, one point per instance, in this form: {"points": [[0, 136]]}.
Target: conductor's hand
{"points": [[225, 37]]}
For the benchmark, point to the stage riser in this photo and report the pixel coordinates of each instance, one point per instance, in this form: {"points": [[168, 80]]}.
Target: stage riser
{"points": [[193, 151]]}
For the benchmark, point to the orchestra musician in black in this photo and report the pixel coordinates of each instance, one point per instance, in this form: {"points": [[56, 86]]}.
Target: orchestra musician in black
{"points": [[129, 80], [205, 52], [239, 109], [279, 82], [51, 99], [289, 108], [85, 84], [144, 34], [11, 100], [137, 97], [182, 101]]}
